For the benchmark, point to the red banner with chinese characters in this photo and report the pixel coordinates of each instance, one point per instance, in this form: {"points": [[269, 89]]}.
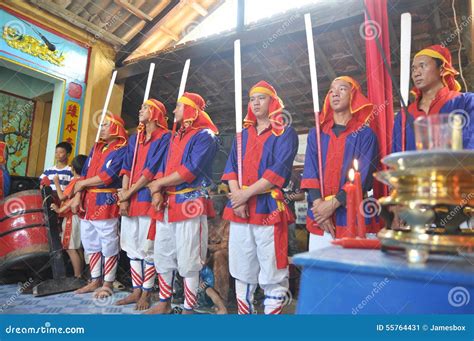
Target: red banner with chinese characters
{"points": [[71, 123]]}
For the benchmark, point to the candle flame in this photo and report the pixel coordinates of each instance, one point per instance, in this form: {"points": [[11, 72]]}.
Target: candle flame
{"points": [[351, 175], [356, 165]]}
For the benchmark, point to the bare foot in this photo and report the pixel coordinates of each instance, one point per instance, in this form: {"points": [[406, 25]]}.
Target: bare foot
{"points": [[160, 308], [221, 310], [105, 291], [144, 301], [132, 298], [90, 287], [187, 312]]}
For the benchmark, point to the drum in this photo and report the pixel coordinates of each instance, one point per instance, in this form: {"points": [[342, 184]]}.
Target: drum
{"points": [[24, 243]]}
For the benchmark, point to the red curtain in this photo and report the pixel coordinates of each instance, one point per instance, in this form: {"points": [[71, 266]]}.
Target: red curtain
{"points": [[379, 84]]}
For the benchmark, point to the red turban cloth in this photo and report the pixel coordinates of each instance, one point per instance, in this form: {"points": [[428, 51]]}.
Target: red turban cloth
{"points": [[194, 114], [360, 107], [117, 129], [158, 113], [449, 72], [275, 108]]}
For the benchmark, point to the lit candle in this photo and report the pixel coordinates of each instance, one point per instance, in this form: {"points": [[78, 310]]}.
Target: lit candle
{"points": [[456, 139], [361, 228], [349, 188]]}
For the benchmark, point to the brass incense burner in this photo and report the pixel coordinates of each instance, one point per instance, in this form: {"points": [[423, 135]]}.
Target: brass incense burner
{"points": [[433, 193]]}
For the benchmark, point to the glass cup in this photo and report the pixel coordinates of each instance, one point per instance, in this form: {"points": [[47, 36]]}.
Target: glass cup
{"points": [[438, 132]]}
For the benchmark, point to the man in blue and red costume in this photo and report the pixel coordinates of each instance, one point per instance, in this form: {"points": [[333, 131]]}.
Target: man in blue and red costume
{"points": [[259, 216], [345, 136], [181, 204], [4, 175], [135, 201], [97, 189], [436, 91]]}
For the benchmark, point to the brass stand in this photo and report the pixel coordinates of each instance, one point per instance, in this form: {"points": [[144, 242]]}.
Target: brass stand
{"points": [[433, 192]]}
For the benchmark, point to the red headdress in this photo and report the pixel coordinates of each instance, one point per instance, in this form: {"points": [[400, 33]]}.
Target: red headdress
{"points": [[275, 108], [117, 129], [158, 112], [449, 72], [194, 114], [360, 106]]}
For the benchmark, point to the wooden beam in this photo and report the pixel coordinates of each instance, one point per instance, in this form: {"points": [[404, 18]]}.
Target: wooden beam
{"points": [[322, 59], [198, 8], [136, 28], [168, 85], [301, 74], [221, 47], [352, 46], [169, 33], [78, 21], [124, 17], [134, 10], [216, 89], [136, 41], [250, 41], [63, 3], [438, 26]]}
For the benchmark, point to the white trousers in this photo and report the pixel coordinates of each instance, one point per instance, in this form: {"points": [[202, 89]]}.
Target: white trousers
{"points": [[252, 257], [317, 242], [100, 236], [252, 261], [133, 238], [181, 246]]}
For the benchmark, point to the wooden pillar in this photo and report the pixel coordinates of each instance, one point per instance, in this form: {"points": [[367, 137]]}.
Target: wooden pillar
{"points": [[35, 137], [39, 138]]}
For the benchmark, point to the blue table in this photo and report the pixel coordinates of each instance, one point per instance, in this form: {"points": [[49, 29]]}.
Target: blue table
{"points": [[350, 281]]}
